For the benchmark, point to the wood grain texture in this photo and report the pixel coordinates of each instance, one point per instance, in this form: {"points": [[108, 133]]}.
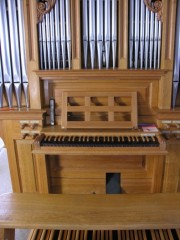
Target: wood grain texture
{"points": [[98, 212]]}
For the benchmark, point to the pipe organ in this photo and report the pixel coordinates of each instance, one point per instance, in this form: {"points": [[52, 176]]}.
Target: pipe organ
{"points": [[110, 68]]}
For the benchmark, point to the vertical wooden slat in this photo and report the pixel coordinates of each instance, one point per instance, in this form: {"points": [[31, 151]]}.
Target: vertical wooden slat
{"points": [[110, 235], [153, 236], [48, 232], [69, 235], [30, 27], [170, 234], [136, 235], [169, 18], [41, 173], [52, 235], [110, 104], [102, 235], [43, 234], [178, 233], [106, 235], [60, 235], [26, 166], [123, 35], [39, 234], [157, 181], [94, 235], [85, 235], [118, 235], [87, 113], [76, 38], [77, 235], [144, 236]]}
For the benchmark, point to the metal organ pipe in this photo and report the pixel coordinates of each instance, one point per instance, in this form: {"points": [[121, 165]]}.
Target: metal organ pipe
{"points": [[99, 32], [144, 37], [85, 32], [22, 51], [99, 28], [55, 37], [131, 32], [63, 32], [68, 32], [92, 31], [136, 35], [107, 31], [114, 31], [12, 49], [52, 30], [5, 53], [142, 32], [15, 60]]}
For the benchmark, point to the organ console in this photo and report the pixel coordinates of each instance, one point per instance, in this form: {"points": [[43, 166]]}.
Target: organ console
{"points": [[111, 68]]}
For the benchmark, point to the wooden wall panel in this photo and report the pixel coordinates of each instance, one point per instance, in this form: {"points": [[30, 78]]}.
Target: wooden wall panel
{"points": [[149, 87], [26, 165], [11, 132], [172, 168], [168, 30], [87, 174], [32, 52]]}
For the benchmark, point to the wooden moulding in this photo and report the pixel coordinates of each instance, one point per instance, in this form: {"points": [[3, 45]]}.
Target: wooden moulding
{"points": [[104, 74], [25, 114], [111, 114]]}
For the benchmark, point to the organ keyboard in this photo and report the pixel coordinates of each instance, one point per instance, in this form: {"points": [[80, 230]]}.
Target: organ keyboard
{"points": [[99, 142]]}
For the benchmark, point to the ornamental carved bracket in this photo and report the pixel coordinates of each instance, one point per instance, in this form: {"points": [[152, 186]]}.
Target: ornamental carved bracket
{"points": [[43, 7], [155, 6]]}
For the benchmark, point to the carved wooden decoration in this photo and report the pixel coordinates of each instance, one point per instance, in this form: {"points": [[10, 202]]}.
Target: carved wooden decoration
{"points": [[43, 7], [155, 6]]}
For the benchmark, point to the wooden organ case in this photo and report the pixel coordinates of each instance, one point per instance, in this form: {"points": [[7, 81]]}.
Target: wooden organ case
{"points": [[105, 91]]}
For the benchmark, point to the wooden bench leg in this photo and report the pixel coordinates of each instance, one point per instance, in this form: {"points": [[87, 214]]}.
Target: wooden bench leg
{"points": [[7, 234]]}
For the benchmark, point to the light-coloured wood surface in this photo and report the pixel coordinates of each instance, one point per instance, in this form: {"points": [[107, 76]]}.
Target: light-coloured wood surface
{"points": [[99, 110], [73, 212]]}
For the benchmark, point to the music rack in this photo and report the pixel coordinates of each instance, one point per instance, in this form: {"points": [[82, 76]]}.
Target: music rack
{"points": [[99, 109]]}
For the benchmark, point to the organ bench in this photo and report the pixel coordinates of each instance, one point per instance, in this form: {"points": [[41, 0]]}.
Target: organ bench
{"points": [[127, 216]]}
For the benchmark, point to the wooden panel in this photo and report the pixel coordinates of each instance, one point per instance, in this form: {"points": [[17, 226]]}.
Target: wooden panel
{"points": [[158, 174], [97, 186], [169, 19], [87, 174], [7, 234], [11, 132], [145, 83], [135, 185], [96, 166], [77, 186], [172, 168], [41, 173], [26, 165], [92, 211]]}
